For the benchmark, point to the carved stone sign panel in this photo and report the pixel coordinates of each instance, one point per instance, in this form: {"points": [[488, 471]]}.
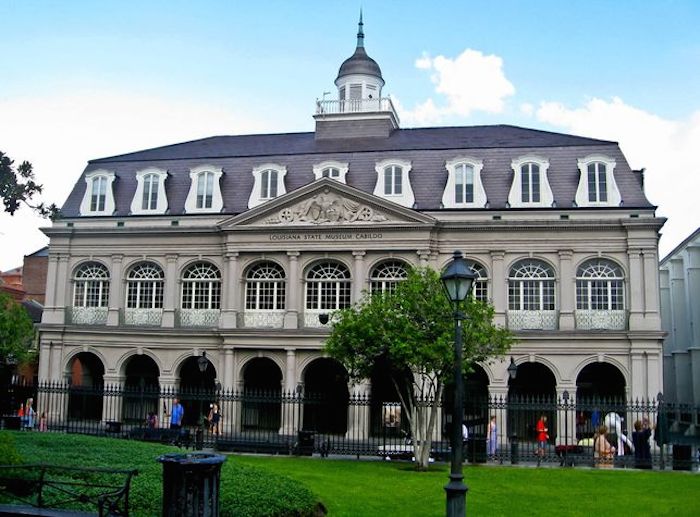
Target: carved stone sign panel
{"points": [[327, 208]]}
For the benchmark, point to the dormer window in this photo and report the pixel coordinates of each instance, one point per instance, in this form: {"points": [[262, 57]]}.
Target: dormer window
{"points": [[464, 188], [597, 186], [331, 169], [393, 181], [269, 183], [98, 198], [150, 195], [530, 186], [205, 190]]}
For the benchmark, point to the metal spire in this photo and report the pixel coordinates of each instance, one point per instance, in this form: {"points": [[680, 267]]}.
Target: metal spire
{"points": [[360, 33]]}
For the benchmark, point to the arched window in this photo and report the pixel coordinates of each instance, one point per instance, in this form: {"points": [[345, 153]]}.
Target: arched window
{"points": [[531, 286], [481, 284], [328, 286], [600, 286], [385, 276], [144, 287], [201, 287], [91, 285], [265, 287]]}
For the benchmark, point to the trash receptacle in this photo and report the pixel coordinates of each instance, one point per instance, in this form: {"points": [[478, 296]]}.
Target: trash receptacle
{"points": [[476, 449], [191, 484], [514, 449], [305, 443], [682, 457]]}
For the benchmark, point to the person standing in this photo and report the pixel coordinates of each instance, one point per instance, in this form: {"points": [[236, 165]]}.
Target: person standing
{"points": [[29, 414], [603, 452], [43, 427], [492, 437], [642, 449], [214, 419], [178, 412], [542, 435]]}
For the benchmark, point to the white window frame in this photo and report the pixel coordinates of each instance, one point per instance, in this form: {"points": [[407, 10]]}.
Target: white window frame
{"points": [[257, 196], [90, 178], [589, 276], [515, 198], [91, 284], [532, 287], [201, 286], [162, 200], [386, 275], [265, 280], [145, 292], [449, 199], [406, 198], [614, 196], [217, 199], [316, 287], [341, 167]]}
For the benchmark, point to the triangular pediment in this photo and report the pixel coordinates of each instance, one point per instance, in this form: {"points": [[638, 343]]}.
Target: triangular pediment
{"points": [[327, 202]]}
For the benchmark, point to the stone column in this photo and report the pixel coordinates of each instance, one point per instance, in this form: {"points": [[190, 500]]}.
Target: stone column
{"points": [[62, 292], [498, 393], [499, 287], [423, 258], [566, 416], [291, 316], [638, 375], [359, 276], [652, 312], [113, 398], [291, 408], [116, 282], [49, 315], [231, 292], [567, 292], [358, 411], [170, 291], [168, 390], [636, 283]]}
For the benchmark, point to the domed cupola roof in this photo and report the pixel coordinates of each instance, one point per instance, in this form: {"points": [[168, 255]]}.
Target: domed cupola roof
{"points": [[360, 63]]}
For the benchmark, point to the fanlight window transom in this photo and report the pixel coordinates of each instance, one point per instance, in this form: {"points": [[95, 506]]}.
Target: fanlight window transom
{"points": [[145, 287], [328, 287], [599, 286], [387, 275], [265, 287], [201, 287], [91, 286], [531, 287]]}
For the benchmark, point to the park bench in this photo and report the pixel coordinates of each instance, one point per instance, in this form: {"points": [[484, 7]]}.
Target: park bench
{"points": [[64, 491]]}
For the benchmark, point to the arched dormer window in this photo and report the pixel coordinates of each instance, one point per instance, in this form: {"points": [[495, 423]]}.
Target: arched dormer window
{"points": [[332, 170], [205, 190], [99, 196], [393, 182], [269, 183], [597, 185], [150, 196], [464, 188], [530, 186]]}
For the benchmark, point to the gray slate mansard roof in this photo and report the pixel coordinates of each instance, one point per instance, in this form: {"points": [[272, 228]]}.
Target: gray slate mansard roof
{"points": [[426, 148]]}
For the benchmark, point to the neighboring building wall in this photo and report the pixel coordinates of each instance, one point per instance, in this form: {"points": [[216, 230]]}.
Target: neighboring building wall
{"points": [[34, 275], [680, 317]]}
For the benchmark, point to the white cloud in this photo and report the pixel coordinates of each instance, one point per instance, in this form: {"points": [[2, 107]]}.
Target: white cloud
{"points": [[59, 134], [668, 149], [470, 82], [527, 109]]}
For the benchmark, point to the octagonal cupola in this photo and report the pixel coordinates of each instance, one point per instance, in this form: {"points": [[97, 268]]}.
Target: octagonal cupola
{"points": [[359, 76]]}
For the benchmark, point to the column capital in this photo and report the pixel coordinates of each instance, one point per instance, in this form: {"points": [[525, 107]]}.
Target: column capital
{"points": [[117, 257], [498, 255], [359, 255], [293, 255], [231, 255], [566, 254], [171, 257]]}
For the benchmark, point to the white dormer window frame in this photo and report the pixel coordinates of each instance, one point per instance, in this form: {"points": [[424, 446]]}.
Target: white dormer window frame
{"points": [[265, 188], [539, 195], [597, 185], [460, 193], [204, 195], [331, 169], [99, 194], [398, 189], [150, 196]]}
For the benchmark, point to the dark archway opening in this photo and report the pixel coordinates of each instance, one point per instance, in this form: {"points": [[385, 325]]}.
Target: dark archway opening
{"points": [[326, 397], [262, 404], [86, 380], [141, 389], [386, 413], [476, 402], [600, 389], [197, 390], [531, 395]]}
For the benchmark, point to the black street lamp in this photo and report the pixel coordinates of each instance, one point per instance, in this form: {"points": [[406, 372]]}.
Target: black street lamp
{"points": [[512, 369], [565, 396], [457, 279], [202, 362]]}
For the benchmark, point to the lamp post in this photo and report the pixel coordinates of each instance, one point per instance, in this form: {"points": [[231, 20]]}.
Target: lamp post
{"points": [[512, 373], [457, 280], [565, 396]]}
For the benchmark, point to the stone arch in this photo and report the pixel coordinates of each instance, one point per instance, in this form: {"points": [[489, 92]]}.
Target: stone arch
{"points": [[619, 365], [138, 260], [182, 268], [257, 260], [85, 373], [600, 380], [326, 396], [67, 359], [77, 265], [197, 389], [547, 261], [615, 261], [124, 359], [385, 403], [311, 262], [141, 388], [532, 394], [262, 394], [244, 359], [181, 359]]}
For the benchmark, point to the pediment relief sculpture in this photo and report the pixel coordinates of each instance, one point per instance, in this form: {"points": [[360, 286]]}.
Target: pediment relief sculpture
{"points": [[327, 208]]}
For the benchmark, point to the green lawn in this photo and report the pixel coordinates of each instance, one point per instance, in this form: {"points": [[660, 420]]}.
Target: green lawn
{"points": [[356, 488]]}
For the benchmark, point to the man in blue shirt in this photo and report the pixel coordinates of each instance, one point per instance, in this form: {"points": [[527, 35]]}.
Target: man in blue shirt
{"points": [[177, 413]]}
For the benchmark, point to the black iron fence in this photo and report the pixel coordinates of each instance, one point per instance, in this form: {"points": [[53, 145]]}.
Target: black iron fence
{"points": [[644, 434]]}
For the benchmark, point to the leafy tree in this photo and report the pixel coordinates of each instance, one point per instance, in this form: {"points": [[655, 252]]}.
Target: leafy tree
{"points": [[16, 332], [412, 328], [19, 187]]}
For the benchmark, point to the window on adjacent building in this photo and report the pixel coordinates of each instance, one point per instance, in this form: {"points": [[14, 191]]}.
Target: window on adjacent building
{"points": [[386, 276], [205, 190], [597, 183], [91, 286], [144, 286], [393, 176], [530, 183], [265, 287], [328, 286], [201, 287], [531, 286], [600, 286]]}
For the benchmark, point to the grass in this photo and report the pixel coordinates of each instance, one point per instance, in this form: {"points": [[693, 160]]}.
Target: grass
{"points": [[355, 488]]}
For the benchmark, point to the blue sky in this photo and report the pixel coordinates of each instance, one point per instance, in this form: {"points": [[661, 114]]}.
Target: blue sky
{"points": [[83, 80]]}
